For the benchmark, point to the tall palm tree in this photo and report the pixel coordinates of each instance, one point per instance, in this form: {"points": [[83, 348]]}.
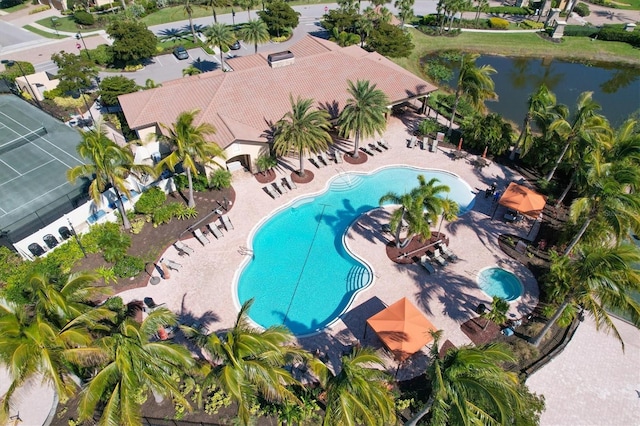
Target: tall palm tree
{"points": [[188, 9], [611, 196], [221, 35], [365, 112], [474, 83], [247, 363], [132, 363], [38, 334], [190, 146], [360, 393], [405, 9], [108, 165], [497, 313], [256, 32], [585, 122], [248, 5], [597, 278], [469, 386], [366, 23], [538, 103], [213, 4], [450, 210], [302, 130]]}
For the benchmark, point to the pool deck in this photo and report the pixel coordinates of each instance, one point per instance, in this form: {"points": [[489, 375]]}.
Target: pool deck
{"points": [[204, 287]]}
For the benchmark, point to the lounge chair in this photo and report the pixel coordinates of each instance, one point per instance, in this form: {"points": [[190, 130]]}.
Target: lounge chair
{"points": [[446, 252], [226, 222], [424, 261], [383, 143], [324, 158], [412, 142], [437, 256], [182, 248], [287, 180], [366, 150], [271, 192], [215, 230], [278, 186], [171, 264], [50, 241], [374, 147], [316, 162], [338, 155], [201, 237]]}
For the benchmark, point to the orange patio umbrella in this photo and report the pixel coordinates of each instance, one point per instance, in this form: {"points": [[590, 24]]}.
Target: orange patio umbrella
{"points": [[522, 199], [403, 329]]}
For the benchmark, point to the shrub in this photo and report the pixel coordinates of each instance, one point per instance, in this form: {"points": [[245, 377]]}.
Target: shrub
{"points": [[102, 55], [133, 68], [70, 102], [13, 71], [509, 10], [111, 241], [498, 23], [52, 94], [528, 23], [164, 214], [428, 127], [150, 200], [220, 179], [128, 266], [580, 31], [39, 9], [184, 212], [582, 9], [200, 182], [615, 34], [83, 18]]}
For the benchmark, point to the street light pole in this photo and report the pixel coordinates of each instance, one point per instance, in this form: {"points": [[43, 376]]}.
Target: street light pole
{"points": [[79, 37], [31, 91], [76, 237]]}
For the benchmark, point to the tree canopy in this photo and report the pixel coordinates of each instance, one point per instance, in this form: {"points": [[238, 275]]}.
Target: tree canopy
{"points": [[389, 40], [132, 41], [279, 16], [74, 71], [112, 87]]}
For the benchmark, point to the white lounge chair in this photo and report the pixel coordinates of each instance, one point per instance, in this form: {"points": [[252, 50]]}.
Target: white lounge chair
{"points": [[413, 142], [281, 189], [446, 251], [201, 237], [316, 162], [215, 230], [437, 256], [171, 264], [338, 155], [271, 192], [366, 150], [383, 143], [182, 248], [424, 261], [320, 161], [226, 222], [324, 158], [291, 184], [374, 147]]}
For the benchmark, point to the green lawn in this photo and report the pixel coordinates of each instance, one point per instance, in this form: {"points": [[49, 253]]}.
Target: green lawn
{"points": [[15, 8], [520, 44], [44, 33], [627, 4], [63, 24]]}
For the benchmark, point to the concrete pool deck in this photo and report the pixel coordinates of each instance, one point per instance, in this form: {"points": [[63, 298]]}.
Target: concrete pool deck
{"points": [[204, 287]]}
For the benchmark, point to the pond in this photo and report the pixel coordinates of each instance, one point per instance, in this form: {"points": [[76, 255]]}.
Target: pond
{"points": [[615, 87]]}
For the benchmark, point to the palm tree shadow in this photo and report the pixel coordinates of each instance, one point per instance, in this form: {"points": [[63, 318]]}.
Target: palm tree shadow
{"points": [[205, 65]]}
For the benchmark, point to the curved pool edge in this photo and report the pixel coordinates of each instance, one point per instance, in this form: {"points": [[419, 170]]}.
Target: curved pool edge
{"points": [[324, 189], [496, 266]]}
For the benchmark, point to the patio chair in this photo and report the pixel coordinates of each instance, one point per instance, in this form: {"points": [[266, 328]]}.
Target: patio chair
{"points": [[271, 192], [437, 256], [413, 142], [424, 261], [383, 143], [226, 222], [281, 189], [323, 157], [289, 182], [366, 150], [215, 230], [338, 155], [446, 252], [201, 237], [50, 241], [316, 162], [36, 249], [373, 147], [182, 248], [171, 264], [64, 232]]}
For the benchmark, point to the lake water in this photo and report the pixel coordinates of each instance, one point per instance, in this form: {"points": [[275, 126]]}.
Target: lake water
{"points": [[615, 88]]}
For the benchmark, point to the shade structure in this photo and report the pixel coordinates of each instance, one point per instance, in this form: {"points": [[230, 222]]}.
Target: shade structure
{"points": [[523, 200], [402, 328]]}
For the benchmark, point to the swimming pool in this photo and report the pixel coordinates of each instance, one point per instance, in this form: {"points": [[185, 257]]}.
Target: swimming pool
{"points": [[501, 283], [301, 275]]}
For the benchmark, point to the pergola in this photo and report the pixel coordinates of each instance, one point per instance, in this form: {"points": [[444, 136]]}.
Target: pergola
{"points": [[403, 329], [523, 200]]}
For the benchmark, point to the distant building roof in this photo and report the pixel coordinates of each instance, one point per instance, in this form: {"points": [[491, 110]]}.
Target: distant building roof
{"points": [[242, 104]]}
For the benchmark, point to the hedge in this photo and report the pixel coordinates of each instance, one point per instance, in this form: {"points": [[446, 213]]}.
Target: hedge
{"points": [[580, 31], [614, 34], [498, 23], [509, 10], [83, 18], [582, 9], [527, 23]]}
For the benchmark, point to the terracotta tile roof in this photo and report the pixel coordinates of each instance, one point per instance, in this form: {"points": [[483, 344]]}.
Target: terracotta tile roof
{"points": [[240, 104]]}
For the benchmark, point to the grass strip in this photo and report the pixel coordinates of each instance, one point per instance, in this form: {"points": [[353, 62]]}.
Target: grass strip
{"points": [[44, 33]]}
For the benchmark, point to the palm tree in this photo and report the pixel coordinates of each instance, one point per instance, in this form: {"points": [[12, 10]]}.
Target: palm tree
{"points": [[598, 278], [255, 31], [190, 70], [302, 130], [469, 386], [610, 196], [190, 146], [360, 393], [221, 35], [365, 112], [213, 4], [343, 38], [585, 123], [497, 313], [474, 83], [247, 363], [108, 165], [539, 102], [405, 10], [450, 210], [188, 9], [248, 5], [133, 363]]}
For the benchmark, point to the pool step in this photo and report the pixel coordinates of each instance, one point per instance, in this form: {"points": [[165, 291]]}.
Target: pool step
{"points": [[346, 182]]}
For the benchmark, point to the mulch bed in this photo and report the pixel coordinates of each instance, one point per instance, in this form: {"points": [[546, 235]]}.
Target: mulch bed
{"points": [[308, 177], [473, 329], [416, 249], [151, 242], [266, 177], [362, 158]]}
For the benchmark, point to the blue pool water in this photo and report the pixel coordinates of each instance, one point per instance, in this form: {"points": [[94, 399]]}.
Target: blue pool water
{"points": [[501, 283], [301, 275]]}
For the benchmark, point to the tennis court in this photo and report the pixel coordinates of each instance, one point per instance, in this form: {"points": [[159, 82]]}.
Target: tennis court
{"points": [[36, 150]]}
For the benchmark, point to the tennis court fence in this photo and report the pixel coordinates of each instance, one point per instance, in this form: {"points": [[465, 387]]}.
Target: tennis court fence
{"points": [[22, 140]]}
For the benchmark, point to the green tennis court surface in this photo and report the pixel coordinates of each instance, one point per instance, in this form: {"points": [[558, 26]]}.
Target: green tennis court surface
{"points": [[36, 150]]}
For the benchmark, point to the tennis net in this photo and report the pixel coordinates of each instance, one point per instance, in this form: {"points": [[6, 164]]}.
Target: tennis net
{"points": [[22, 140]]}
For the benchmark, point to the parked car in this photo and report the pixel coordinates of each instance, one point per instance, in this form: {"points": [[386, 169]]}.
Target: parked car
{"points": [[181, 53], [236, 45]]}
